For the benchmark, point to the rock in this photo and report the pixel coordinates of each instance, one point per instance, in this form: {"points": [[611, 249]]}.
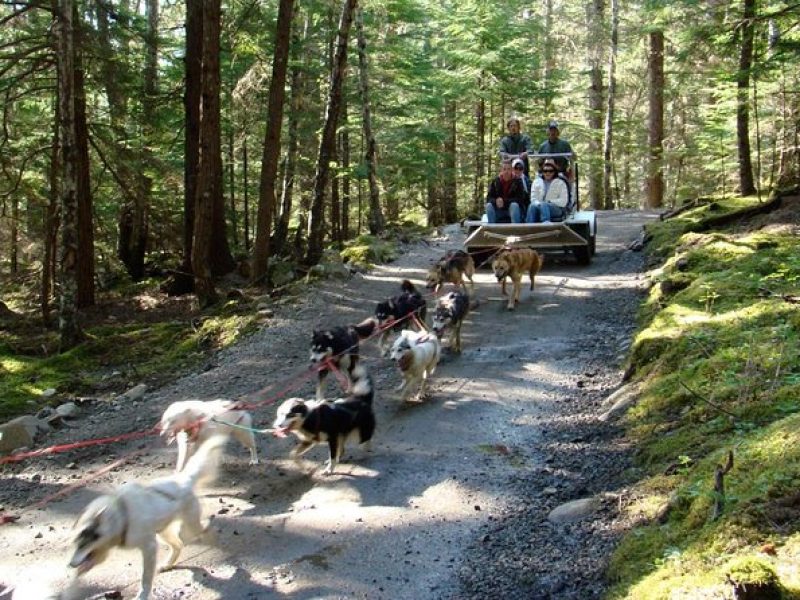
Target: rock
{"points": [[68, 410], [55, 421], [48, 393], [13, 435], [620, 401], [266, 312], [34, 425], [281, 273], [135, 393], [236, 294], [573, 511], [45, 413]]}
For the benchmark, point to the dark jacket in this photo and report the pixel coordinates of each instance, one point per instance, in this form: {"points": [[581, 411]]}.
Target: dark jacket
{"points": [[516, 193]]}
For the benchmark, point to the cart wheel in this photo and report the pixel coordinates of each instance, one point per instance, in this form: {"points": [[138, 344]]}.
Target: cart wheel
{"points": [[583, 254]]}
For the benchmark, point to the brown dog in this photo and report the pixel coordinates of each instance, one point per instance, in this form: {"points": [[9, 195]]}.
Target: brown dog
{"points": [[513, 263], [452, 268]]}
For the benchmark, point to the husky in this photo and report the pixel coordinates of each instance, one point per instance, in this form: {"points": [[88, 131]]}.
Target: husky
{"points": [[451, 309], [137, 514], [191, 422], [452, 268], [397, 313], [318, 422], [339, 345], [416, 354]]}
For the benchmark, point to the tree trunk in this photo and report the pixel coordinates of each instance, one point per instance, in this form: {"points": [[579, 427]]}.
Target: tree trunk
{"points": [[594, 25], [69, 328], [328, 138], [548, 61], [272, 140], [746, 185], [183, 281], [232, 184], [296, 90], [246, 195], [51, 221], [209, 177], [655, 175], [612, 90], [85, 217], [375, 220], [479, 192], [450, 178], [336, 224], [14, 234], [345, 154], [132, 225]]}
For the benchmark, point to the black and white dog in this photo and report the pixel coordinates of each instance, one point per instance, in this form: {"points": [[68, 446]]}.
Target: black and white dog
{"points": [[339, 345], [317, 422], [451, 309], [397, 313]]}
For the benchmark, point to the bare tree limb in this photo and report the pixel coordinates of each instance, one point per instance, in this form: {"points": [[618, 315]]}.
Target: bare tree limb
{"points": [[719, 486], [707, 401]]}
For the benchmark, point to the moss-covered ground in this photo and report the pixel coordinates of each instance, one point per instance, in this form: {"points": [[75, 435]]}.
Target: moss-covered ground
{"points": [[718, 357]]}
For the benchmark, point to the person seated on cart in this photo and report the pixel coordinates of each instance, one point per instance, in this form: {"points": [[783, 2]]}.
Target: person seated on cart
{"points": [[555, 145], [550, 197], [518, 167], [505, 197], [516, 143]]}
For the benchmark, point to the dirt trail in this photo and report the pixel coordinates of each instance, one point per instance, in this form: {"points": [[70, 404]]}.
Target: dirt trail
{"points": [[436, 509]]}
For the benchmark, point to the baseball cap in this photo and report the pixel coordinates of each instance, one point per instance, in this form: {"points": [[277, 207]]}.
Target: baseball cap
{"points": [[553, 124], [517, 163]]}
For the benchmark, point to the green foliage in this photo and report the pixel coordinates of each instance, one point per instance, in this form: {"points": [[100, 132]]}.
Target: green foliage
{"points": [[717, 359], [147, 347], [366, 250]]}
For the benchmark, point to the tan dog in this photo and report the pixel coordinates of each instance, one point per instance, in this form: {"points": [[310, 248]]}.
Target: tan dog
{"points": [[452, 268], [513, 263]]}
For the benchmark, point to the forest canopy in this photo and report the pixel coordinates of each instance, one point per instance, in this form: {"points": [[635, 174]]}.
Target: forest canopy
{"points": [[252, 129]]}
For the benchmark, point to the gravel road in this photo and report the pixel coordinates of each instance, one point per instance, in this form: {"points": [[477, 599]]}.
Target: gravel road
{"points": [[452, 501]]}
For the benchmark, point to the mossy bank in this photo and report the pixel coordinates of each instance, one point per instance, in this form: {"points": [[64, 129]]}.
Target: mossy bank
{"points": [[717, 359]]}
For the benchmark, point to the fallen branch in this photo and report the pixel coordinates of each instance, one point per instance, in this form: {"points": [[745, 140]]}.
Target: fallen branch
{"points": [[707, 401], [719, 486]]}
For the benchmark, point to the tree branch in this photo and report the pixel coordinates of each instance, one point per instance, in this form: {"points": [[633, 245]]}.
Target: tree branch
{"points": [[707, 401], [719, 486]]}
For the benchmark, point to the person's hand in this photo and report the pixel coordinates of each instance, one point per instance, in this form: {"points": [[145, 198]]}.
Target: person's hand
{"points": [[499, 202]]}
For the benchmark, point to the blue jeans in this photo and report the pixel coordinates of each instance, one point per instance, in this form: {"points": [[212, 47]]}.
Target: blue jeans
{"points": [[513, 208], [539, 212]]}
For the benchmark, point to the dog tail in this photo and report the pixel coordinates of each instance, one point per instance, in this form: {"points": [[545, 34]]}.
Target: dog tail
{"points": [[202, 464], [366, 328], [363, 389]]}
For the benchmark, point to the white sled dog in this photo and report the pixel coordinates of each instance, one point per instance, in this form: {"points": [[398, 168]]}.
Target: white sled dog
{"points": [[191, 422], [138, 514], [416, 354]]}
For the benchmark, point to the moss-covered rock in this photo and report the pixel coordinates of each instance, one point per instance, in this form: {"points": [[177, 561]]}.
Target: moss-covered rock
{"points": [[752, 578]]}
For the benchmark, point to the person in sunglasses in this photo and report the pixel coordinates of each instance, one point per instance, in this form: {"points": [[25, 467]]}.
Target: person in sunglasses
{"points": [[549, 196]]}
